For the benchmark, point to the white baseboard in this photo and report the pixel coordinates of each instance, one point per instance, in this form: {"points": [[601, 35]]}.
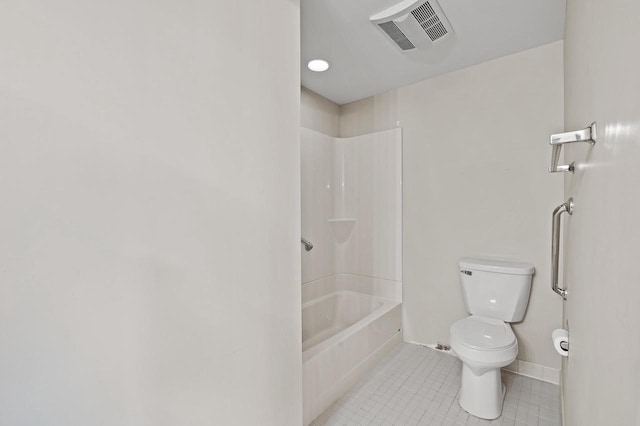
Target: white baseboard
{"points": [[536, 371], [524, 368]]}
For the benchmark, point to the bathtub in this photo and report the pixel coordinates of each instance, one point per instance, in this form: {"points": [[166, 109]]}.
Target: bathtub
{"points": [[345, 332]]}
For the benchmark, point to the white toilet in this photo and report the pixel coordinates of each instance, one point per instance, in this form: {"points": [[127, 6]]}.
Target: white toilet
{"points": [[495, 293]]}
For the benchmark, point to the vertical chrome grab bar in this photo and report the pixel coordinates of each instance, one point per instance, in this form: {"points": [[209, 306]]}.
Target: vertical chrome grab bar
{"points": [[307, 245], [566, 207]]}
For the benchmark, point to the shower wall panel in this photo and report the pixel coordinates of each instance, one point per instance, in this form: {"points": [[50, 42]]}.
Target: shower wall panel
{"points": [[317, 153], [352, 205]]}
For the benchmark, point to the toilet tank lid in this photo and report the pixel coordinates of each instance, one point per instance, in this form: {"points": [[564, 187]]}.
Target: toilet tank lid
{"points": [[497, 266]]}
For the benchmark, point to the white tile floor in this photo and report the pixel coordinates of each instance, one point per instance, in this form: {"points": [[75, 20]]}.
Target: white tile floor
{"points": [[415, 385]]}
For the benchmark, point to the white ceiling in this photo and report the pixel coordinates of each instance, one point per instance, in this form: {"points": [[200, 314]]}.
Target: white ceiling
{"points": [[364, 62]]}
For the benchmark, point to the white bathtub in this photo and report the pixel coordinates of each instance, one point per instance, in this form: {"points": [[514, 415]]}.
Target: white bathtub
{"points": [[344, 333]]}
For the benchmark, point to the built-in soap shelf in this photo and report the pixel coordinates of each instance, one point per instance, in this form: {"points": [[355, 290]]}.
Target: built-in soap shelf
{"points": [[342, 228]]}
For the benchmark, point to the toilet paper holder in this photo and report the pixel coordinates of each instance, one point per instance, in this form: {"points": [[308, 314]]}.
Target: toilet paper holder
{"points": [[560, 338]]}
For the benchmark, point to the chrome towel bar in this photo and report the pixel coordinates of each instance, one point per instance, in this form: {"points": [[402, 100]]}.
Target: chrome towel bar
{"points": [[556, 141], [566, 207]]}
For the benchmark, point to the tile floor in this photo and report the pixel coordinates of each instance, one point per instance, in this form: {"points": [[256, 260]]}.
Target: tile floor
{"points": [[416, 385]]}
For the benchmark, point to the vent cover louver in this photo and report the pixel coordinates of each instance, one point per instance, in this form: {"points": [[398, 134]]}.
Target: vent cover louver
{"points": [[429, 21], [414, 24], [397, 35]]}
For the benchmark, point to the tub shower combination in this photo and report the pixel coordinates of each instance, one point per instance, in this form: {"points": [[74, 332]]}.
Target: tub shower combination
{"points": [[352, 282]]}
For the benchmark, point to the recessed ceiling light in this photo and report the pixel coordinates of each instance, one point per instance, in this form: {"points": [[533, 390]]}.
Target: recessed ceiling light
{"points": [[318, 65]]}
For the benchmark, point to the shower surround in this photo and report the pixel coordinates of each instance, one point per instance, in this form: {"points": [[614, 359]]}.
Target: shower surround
{"points": [[352, 279]]}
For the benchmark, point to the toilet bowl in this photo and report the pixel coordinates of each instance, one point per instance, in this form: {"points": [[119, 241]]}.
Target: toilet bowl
{"points": [[484, 345], [495, 293]]}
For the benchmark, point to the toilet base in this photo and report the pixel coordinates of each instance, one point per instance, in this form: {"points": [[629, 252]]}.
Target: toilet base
{"points": [[483, 395]]}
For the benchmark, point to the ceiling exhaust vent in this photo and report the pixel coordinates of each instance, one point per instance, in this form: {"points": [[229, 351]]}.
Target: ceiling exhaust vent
{"points": [[397, 35], [413, 24]]}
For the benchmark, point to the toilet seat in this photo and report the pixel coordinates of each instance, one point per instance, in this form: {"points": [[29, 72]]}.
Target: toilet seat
{"points": [[483, 334]]}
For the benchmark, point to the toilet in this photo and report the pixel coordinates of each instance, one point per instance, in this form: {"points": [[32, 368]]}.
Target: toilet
{"points": [[495, 293]]}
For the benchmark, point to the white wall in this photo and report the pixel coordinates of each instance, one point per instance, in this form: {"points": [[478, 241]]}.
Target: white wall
{"points": [[319, 113], [475, 184], [368, 115], [475, 159], [601, 376], [150, 225]]}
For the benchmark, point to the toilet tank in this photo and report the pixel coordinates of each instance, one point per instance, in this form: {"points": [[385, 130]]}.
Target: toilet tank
{"points": [[495, 289]]}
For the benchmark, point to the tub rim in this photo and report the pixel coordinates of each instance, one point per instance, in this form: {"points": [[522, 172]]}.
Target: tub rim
{"points": [[387, 305]]}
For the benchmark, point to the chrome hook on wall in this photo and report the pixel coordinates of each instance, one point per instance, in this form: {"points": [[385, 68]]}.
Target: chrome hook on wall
{"points": [[557, 140]]}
